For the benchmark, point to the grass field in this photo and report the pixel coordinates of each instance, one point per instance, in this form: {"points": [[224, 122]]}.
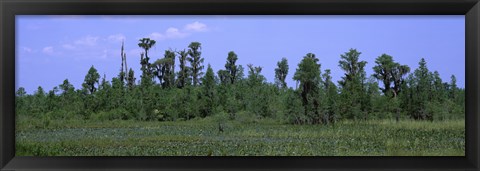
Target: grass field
{"points": [[201, 137]]}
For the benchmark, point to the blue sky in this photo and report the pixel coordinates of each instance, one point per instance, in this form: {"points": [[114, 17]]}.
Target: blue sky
{"points": [[50, 49]]}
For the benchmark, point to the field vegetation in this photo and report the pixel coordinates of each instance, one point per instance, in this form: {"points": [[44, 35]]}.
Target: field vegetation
{"points": [[200, 137]]}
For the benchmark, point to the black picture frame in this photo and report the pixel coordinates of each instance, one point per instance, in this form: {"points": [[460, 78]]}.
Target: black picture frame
{"points": [[10, 8]]}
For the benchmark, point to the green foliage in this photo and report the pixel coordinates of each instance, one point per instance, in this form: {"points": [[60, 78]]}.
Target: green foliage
{"points": [[114, 114], [421, 92], [196, 61], [67, 88], [255, 78], [164, 69], [281, 73], [146, 66], [308, 74], [353, 95], [330, 99], [186, 103], [453, 89], [383, 71], [258, 92], [294, 112], [316, 100], [91, 79], [131, 79], [208, 93], [231, 68], [398, 72], [183, 74], [224, 77]]}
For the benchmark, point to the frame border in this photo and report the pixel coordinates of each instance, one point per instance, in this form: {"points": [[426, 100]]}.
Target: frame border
{"points": [[10, 8]]}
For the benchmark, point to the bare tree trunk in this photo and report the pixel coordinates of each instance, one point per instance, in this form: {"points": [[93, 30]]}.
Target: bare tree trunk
{"points": [[126, 67]]}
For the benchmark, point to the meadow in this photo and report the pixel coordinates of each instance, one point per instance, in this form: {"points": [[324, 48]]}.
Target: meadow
{"points": [[245, 136]]}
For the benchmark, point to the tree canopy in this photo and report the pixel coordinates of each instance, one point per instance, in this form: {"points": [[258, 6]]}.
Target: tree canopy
{"points": [[163, 94]]}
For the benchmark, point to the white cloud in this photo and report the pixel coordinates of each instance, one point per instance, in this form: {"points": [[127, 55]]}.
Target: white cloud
{"points": [[27, 49], [196, 27], [91, 41], [170, 33], [85, 48], [116, 38], [48, 50], [157, 36], [88, 41], [173, 33], [68, 46]]}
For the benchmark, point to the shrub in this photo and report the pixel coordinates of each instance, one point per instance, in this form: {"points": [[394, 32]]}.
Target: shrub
{"points": [[61, 114], [294, 112], [246, 117], [118, 113]]}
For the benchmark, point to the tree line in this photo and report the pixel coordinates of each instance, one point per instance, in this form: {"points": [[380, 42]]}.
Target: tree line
{"points": [[163, 94]]}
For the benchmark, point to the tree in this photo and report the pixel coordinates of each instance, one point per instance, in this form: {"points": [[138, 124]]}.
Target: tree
{"points": [[146, 79], [159, 69], [398, 72], [147, 73], [196, 61], [105, 94], [421, 93], [383, 72], [91, 79], [438, 87], [257, 99], [21, 92], [165, 69], [20, 101], [373, 88], [131, 79], [223, 75], [39, 101], [240, 73], [352, 87], [231, 67], [294, 110], [68, 94], [208, 93], [453, 88], [116, 92], [352, 67], [390, 72], [146, 44], [281, 73], [40, 93], [52, 99], [171, 74], [123, 73], [308, 74], [66, 87], [183, 74], [330, 98], [254, 76]]}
